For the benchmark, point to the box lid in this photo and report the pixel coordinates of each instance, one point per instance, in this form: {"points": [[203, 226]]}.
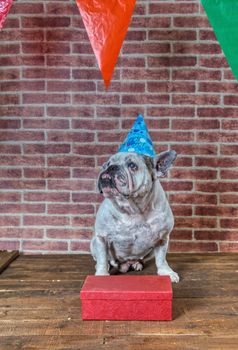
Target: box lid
{"points": [[129, 287]]}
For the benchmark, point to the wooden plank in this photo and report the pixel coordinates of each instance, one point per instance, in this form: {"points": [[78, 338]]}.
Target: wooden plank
{"points": [[77, 342], [6, 258]]}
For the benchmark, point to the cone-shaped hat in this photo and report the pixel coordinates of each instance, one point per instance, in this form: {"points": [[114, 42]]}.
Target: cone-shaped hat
{"points": [[138, 140]]}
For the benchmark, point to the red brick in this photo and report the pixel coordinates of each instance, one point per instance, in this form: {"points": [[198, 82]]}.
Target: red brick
{"points": [[229, 223], [217, 137], [70, 209], [229, 174], [69, 233], [72, 112], [47, 196], [170, 87], [185, 112], [217, 186], [193, 247], [21, 208], [150, 22], [86, 197], [216, 162], [195, 149], [229, 149], [179, 234], [21, 232], [145, 74], [9, 124], [196, 74], [9, 245], [193, 174], [9, 74], [216, 211], [195, 222], [217, 112], [23, 85], [47, 173], [71, 185], [27, 8], [196, 99], [228, 247], [9, 49], [40, 220], [216, 235], [196, 198], [191, 22], [83, 221], [176, 35], [82, 246], [45, 98], [171, 7], [45, 48], [85, 173], [22, 184], [43, 73], [22, 136], [13, 173], [229, 198], [168, 61], [195, 124], [210, 62], [71, 161], [9, 220], [182, 210], [207, 34], [44, 245], [192, 48], [10, 197], [177, 185], [44, 22]]}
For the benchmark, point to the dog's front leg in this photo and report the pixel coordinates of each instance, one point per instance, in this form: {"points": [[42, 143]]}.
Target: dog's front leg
{"points": [[163, 267], [99, 251]]}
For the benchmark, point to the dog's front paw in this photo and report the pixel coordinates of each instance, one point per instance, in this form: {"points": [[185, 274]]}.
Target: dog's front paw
{"points": [[137, 266], [169, 272], [102, 273]]}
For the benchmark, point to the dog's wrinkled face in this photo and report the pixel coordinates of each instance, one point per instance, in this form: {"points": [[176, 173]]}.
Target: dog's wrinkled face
{"points": [[132, 174]]}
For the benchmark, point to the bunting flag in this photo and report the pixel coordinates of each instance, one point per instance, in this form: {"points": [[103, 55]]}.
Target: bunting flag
{"points": [[4, 9], [106, 22], [223, 16]]}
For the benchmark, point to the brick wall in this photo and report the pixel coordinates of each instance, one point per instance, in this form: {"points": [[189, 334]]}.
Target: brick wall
{"points": [[58, 124]]}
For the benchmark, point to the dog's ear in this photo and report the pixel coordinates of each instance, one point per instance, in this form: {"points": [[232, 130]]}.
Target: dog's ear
{"points": [[163, 162]]}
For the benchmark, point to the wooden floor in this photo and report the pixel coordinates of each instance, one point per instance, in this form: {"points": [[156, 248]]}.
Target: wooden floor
{"points": [[40, 307]]}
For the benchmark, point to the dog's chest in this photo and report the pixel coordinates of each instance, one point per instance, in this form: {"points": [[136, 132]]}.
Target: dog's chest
{"points": [[136, 237]]}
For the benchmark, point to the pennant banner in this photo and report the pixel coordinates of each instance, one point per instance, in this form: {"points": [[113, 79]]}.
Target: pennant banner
{"points": [[106, 22], [4, 9], [223, 16]]}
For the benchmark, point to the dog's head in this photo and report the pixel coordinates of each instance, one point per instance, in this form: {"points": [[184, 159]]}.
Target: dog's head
{"points": [[132, 174]]}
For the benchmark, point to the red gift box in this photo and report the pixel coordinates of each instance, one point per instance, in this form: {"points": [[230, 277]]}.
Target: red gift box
{"points": [[127, 297]]}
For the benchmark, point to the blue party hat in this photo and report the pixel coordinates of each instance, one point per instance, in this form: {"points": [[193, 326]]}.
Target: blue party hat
{"points": [[138, 140]]}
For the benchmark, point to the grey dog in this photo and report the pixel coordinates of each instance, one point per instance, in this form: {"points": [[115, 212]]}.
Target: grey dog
{"points": [[134, 221]]}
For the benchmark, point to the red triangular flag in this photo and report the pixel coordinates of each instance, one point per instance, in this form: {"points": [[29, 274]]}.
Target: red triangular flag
{"points": [[106, 22], [4, 9]]}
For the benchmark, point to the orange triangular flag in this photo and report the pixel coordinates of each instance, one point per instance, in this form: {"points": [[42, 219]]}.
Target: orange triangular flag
{"points": [[106, 22]]}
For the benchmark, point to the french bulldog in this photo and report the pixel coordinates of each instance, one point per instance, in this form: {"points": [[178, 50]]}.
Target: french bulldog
{"points": [[134, 221]]}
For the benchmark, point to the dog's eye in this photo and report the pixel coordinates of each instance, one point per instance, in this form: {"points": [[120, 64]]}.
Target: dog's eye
{"points": [[132, 166]]}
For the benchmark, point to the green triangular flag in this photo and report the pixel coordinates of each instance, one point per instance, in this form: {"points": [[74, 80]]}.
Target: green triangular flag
{"points": [[223, 16]]}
